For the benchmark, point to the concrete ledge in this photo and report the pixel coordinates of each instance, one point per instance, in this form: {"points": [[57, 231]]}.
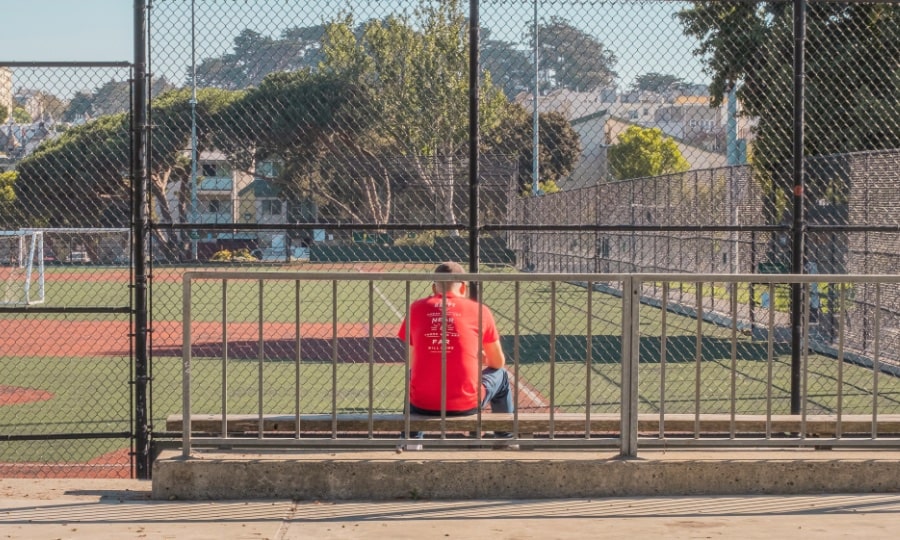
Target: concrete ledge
{"points": [[384, 475]]}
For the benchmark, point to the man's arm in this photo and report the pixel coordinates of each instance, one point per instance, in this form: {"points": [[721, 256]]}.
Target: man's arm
{"points": [[493, 355]]}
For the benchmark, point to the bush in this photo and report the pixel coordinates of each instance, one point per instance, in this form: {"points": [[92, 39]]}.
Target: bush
{"points": [[420, 238], [240, 255]]}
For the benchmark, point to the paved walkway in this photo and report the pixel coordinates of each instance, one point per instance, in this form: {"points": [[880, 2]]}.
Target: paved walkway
{"points": [[121, 509]]}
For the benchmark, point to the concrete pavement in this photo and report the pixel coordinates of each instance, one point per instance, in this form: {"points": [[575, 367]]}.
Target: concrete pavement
{"points": [[122, 509]]}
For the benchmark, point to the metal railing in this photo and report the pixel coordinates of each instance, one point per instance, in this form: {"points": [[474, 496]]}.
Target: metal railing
{"points": [[671, 360]]}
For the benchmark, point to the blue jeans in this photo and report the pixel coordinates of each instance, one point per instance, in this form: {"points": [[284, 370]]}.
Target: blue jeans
{"points": [[497, 393]]}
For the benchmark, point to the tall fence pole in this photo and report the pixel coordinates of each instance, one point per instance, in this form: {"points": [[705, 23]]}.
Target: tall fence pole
{"points": [[799, 222], [473, 140], [138, 169]]}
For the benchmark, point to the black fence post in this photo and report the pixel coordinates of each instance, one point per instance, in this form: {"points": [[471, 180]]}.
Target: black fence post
{"points": [[799, 221], [138, 170], [473, 141]]}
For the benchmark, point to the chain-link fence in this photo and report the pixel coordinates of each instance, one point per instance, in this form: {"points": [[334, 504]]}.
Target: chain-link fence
{"points": [[622, 136], [65, 275]]}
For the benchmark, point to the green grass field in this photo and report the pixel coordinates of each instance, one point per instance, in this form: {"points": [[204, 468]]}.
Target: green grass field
{"points": [[544, 328]]}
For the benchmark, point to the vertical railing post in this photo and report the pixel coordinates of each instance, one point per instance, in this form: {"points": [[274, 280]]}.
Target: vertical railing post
{"points": [[186, 366], [630, 354]]}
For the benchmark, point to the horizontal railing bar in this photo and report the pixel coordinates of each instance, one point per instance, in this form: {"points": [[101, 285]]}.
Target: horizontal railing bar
{"points": [[276, 442], [781, 442], [645, 278]]}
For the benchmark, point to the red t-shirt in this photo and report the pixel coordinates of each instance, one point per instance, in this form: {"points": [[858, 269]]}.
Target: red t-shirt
{"points": [[463, 374]]}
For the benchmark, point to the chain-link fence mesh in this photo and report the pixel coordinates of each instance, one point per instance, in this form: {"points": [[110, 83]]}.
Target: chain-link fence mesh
{"points": [[65, 346], [623, 136], [666, 148]]}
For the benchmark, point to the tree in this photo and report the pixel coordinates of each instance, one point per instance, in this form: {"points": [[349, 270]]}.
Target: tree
{"points": [[9, 215], [418, 70], [851, 84], [510, 68], [80, 178], [4, 113], [655, 82], [315, 125], [643, 152], [110, 98], [79, 107], [54, 192], [20, 115], [384, 113], [171, 112], [254, 56], [572, 58], [559, 146]]}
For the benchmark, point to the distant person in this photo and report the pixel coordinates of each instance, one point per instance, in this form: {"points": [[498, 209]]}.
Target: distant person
{"points": [[815, 302], [463, 376]]}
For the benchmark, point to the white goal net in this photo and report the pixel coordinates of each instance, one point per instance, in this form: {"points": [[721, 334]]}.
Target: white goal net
{"points": [[21, 267]]}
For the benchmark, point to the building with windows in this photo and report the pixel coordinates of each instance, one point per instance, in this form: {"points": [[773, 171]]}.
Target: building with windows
{"points": [[692, 120], [6, 94], [225, 195]]}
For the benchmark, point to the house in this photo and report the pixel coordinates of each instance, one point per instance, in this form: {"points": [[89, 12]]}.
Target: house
{"points": [[682, 113], [32, 101], [569, 103], [227, 195], [217, 202], [6, 95], [691, 119], [19, 140], [591, 167], [263, 202]]}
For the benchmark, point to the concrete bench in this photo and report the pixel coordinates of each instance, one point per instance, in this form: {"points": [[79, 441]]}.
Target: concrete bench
{"points": [[537, 423]]}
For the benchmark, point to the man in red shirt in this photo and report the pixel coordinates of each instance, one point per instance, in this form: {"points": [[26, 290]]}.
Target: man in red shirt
{"points": [[427, 350]]}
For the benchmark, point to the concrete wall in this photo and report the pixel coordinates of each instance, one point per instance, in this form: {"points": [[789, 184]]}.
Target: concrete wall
{"points": [[384, 475]]}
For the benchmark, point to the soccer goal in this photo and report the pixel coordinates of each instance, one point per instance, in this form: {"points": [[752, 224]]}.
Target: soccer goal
{"points": [[21, 267], [86, 246]]}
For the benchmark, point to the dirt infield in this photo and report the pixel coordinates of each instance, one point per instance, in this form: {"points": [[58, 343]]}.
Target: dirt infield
{"points": [[115, 464], [64, 339], [83, 339], [16, 395]]}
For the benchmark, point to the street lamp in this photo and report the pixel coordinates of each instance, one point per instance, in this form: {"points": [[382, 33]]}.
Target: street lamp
{"points": [[194, 203]]}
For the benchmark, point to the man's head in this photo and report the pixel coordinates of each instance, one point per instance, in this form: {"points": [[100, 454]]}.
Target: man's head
{"points": [[455, 287]]}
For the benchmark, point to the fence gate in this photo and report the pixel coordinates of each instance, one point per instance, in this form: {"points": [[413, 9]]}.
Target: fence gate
{"points": [[66, 359]]}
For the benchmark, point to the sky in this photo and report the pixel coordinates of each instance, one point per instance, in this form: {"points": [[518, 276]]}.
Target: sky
{"points": [[641, 34], [51, 30]]}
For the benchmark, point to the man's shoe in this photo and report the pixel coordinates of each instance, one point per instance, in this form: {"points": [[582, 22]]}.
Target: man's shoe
{"points": [[503, 440], [408, 447]]}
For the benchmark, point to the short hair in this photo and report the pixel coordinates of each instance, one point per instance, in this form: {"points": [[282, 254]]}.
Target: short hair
{"points": [[448, 267]]}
